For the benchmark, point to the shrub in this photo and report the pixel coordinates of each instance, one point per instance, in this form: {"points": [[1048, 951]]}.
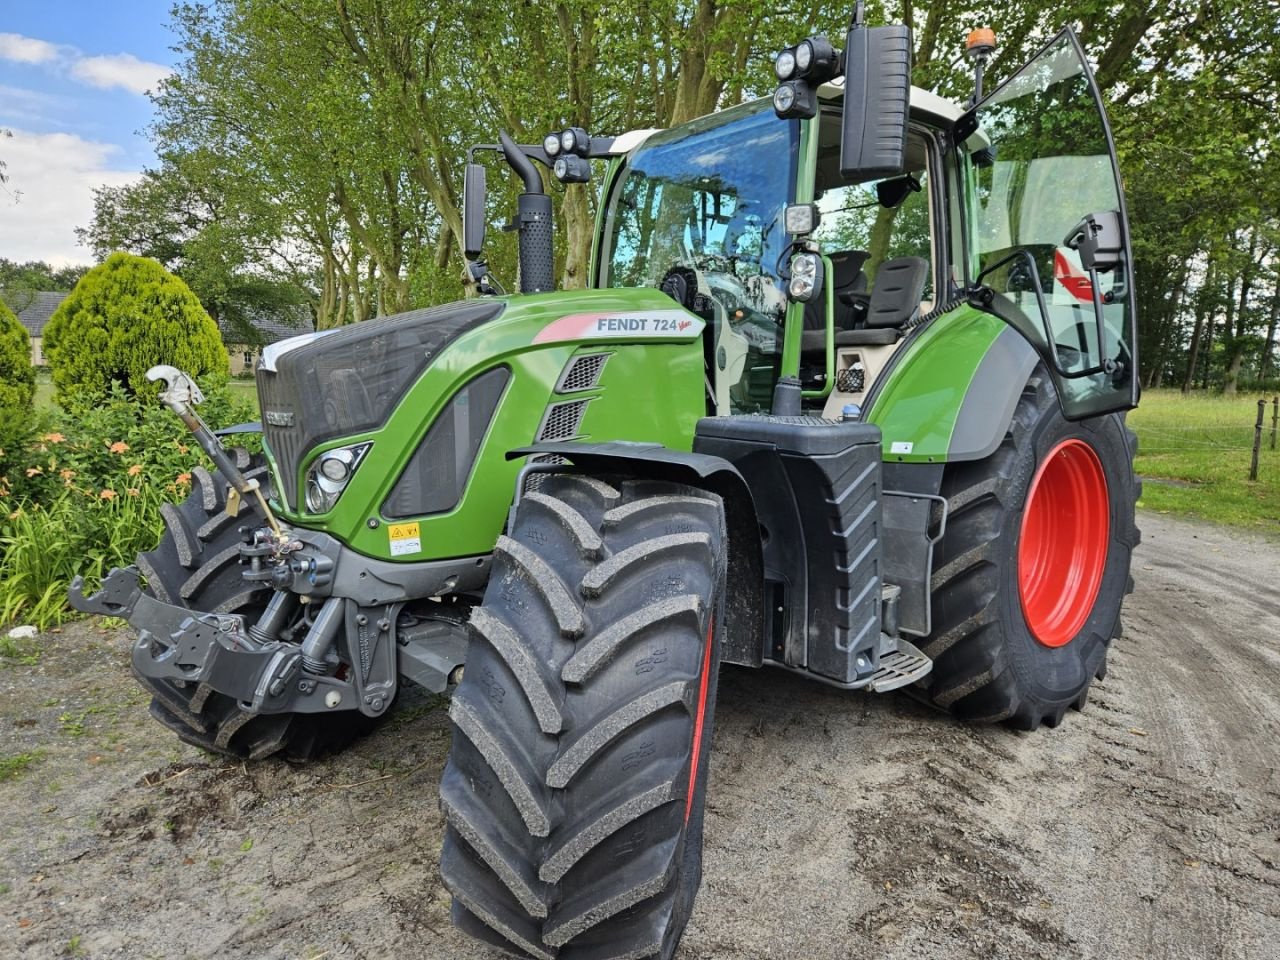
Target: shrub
{"points": [[17, 376], [124, 317], [84, 494], [17, 387]]}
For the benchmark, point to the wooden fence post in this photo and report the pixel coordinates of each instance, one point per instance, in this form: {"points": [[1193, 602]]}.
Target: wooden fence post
{"points": [[1257, 438], [1275, 415]]}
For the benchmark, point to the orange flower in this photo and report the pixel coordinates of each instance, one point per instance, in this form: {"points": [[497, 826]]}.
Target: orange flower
{"points": [[118, 447], [135, 470], [33, 471], [184, 479], [52, 437], [66, 473], [107, 495], [133, 491], [182, 448]]}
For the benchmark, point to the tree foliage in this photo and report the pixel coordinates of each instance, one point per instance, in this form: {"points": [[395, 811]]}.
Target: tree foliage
{"points": [[124, 317], [320, 144], [20, 282]]}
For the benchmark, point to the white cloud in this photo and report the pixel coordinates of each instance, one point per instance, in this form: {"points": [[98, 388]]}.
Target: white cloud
{"points": [[16, 47], [107, 72], [50, 192], [122, 70]]}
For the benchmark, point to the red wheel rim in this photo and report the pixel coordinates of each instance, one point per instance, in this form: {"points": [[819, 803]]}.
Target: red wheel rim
{"points": [[1062, 550]]}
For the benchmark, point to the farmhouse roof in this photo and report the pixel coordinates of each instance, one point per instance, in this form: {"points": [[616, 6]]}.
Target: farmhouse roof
{"points": [[40, 308], [269, 329]]}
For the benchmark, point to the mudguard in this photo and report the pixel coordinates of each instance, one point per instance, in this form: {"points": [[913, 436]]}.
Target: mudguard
{"points": [[950, 391], [743, 641]]}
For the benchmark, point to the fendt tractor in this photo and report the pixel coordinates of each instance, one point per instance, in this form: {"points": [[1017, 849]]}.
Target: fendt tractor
{"points": [[844, 398]]}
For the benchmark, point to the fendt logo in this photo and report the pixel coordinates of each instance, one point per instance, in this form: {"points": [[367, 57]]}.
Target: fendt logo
{"points": [[651, 324], [279, 418]]}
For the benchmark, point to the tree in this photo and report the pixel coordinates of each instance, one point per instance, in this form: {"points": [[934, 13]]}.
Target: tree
{"points": [[20, 282], [124, 317], [224, 243], [17, 376]]}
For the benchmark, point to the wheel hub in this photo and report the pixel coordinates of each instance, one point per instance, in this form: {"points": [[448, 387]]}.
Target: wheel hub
{"points": [[1062, 550]]}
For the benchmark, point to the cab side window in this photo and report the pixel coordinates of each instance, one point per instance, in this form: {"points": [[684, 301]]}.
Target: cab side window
{"points": [[886, 218]]}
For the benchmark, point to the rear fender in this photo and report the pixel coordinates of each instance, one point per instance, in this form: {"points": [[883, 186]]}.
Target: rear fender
{"points": [[951, 390], [743, 641]]}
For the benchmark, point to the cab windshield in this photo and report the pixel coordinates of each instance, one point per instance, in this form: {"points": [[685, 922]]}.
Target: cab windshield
{"points": [[709, 196]]}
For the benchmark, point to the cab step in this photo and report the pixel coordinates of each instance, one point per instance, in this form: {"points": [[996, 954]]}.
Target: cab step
{"points": [[900, 668]]}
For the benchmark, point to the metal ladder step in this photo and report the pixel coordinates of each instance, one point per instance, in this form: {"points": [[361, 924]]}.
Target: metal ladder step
{"points": [[903, 666]]}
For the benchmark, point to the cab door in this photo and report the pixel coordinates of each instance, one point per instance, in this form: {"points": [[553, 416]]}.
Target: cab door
{"points": [[1049, 235]]}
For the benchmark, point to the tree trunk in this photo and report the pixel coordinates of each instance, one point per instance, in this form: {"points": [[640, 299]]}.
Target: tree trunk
{"points": [[1264, 368], [1197, 333]]}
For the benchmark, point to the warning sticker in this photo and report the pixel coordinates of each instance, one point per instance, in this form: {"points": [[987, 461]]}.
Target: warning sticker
{"points": [[404, 538], [901, 446]]}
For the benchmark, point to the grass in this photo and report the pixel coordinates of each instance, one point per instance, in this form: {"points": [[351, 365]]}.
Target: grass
{"points": [[13, 767], [14, 651], [1194, 453], [245, 389]]}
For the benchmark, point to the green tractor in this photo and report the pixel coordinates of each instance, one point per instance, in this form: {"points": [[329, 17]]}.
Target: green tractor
{"points": [[845, 398]]}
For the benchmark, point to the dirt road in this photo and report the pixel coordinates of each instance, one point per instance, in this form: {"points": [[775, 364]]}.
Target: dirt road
{"points": [[839, 825]]}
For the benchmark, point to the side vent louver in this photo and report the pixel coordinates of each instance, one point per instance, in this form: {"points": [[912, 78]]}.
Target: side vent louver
{"points": [[562, 420], [582, 373]]}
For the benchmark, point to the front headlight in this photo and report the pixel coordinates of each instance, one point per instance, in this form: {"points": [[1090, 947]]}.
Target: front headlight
{"points": [[329, 475]]}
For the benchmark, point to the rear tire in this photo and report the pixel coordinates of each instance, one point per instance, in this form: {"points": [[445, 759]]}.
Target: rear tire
{"points": [[989, 663], [574, 789], [196, 564]]}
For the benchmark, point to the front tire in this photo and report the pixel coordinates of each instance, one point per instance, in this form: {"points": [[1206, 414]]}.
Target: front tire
{"points": [[1029, 578], [574, 789]]}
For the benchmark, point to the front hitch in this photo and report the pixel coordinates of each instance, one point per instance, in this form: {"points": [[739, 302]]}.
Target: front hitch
{"points": [[117, 596]]}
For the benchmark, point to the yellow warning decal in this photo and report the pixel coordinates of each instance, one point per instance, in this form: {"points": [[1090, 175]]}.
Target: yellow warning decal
{"points": [[404, 538]]}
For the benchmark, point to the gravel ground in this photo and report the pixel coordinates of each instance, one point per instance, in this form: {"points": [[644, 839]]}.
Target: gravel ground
{"points": [[838, 825]]}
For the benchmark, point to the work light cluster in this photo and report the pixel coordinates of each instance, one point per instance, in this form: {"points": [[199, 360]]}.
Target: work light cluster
{"points": [[801, 70], [568, 150]]}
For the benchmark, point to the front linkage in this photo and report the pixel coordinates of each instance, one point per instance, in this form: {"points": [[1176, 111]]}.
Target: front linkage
{"points": [[284, 657]]}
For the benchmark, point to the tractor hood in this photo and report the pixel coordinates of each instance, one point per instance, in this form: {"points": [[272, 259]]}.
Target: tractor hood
{"points": [[355, 384]]}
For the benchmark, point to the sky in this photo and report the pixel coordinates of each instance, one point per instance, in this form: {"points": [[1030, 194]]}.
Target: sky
{"points": [[73, 82]]}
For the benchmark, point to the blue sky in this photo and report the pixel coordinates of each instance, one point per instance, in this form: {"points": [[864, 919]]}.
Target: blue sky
{"points": [[72, 76]]}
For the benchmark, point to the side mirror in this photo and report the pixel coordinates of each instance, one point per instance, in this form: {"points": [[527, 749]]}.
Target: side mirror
{"points": [[473, 212], [877, 96], [1098, 240]]}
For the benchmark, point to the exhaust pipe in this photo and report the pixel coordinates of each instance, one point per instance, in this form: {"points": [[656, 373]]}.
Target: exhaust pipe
{"points": [[533, 223]]}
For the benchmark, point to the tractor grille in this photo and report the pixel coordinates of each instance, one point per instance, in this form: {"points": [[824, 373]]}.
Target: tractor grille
{"points": [[437, 474], [582, 373], [562, 421]]}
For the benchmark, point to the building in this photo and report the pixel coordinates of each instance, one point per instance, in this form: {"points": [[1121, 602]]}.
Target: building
{"points": [[39, 307], [35, 308], [245, 355]]}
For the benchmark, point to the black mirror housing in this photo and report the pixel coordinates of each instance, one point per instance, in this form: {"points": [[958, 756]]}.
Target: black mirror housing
{"points": [[877, 96], [473, 210], [1099, 241]]}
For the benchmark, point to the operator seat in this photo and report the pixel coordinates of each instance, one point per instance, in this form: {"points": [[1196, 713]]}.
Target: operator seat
{"points": [[850, 290], [895, 300]]}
